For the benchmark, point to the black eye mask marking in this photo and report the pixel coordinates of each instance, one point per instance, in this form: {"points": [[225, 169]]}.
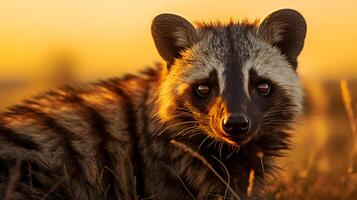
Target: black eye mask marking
{"points": [[201, 102], [263, 85]]}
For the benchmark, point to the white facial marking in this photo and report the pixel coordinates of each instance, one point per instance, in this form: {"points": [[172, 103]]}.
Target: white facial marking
{"points": [[268, 62], [200, 69]]}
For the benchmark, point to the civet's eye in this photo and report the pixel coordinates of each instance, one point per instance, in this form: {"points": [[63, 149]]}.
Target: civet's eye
{"points": [[263, 88], [203, 90]]}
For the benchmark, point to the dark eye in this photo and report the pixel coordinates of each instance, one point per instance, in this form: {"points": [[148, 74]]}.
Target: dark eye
{"points": [[203, 90], [263, 88]]}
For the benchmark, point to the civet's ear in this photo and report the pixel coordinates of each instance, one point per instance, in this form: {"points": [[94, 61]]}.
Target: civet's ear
{"points": [[285, 29], [172, 34]]}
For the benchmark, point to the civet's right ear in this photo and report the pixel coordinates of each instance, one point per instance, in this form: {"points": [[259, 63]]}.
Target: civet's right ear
{"points": [[286, 30], [172, 34]]}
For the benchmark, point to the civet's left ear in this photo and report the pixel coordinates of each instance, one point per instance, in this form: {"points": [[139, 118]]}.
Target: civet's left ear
{"points": [[286, 30], [172, 34]]}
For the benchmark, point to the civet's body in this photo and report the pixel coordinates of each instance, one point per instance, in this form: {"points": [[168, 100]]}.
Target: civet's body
{"points": [[195, 129]]}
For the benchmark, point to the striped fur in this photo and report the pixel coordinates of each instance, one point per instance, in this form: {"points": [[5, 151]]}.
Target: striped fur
{"points": [[115, 139]]}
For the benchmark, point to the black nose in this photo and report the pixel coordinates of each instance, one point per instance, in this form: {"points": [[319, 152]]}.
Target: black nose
{"points": [[236, 124]]}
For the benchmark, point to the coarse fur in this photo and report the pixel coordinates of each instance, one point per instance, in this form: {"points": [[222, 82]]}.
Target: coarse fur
{"points": [[138, 137]]}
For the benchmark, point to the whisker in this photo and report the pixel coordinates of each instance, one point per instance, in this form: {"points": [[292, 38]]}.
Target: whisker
{"points": [[233, 151], [227, 172], [203, 141], [220, 149], [177, 124], [182, 131], [214, 141]]}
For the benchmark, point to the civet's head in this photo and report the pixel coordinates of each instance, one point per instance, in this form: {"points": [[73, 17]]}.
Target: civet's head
{"points": [[234, 81]]}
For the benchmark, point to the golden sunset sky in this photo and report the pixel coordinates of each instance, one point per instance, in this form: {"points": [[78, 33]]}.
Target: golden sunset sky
{"points": [[110, 37]]}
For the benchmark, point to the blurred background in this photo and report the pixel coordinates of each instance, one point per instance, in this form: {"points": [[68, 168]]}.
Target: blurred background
{"points": [[44, 44]]}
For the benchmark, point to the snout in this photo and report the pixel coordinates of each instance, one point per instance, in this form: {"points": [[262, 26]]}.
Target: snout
{"points": [[236, 125], [237, 128]]}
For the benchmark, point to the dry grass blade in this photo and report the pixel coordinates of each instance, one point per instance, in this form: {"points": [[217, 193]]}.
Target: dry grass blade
{"points": [[14, 178], [251, 183], [58, 184], [260, 155], [347, 100], [205, 162]]}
